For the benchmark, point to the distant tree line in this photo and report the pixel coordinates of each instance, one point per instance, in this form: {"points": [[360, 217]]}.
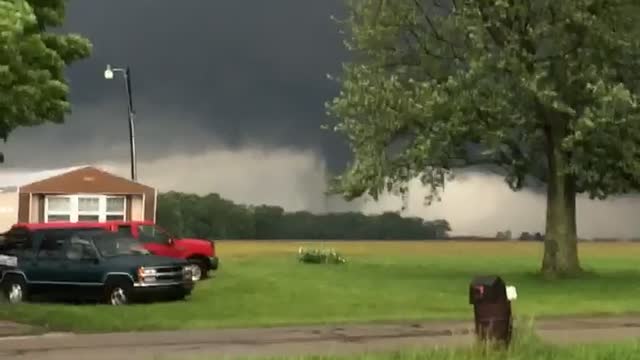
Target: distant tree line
{"points": [[524, 236], [214, 217]]}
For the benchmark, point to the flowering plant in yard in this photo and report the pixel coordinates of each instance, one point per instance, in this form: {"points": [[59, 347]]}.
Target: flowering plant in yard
{"points": [[320, 256]]}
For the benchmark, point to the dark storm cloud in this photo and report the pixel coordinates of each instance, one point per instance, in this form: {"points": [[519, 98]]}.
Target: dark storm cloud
{"points": [[236, 70], [230, 97]]}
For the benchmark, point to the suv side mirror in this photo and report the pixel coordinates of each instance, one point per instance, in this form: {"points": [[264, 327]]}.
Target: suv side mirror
{"points": [[170, 241]]}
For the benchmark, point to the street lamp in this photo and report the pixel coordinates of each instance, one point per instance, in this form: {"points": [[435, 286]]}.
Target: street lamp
{"points": [[108, 74]]}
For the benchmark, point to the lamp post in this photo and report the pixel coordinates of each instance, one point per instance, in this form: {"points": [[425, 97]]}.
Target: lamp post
{"points": [[108, 74]]}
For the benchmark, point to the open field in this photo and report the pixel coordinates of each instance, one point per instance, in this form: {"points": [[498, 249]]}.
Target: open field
{"points": [[262, 284]]}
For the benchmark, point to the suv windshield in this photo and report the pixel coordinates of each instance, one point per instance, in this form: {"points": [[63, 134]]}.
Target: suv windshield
{"points": [[114, 244]]}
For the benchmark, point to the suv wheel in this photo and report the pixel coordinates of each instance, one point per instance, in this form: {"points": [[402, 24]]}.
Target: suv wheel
{"points": [[118, 293], [14, 289], [199, 270]]}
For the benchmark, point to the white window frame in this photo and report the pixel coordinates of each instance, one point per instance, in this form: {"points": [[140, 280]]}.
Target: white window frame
{"points": [[74, 212], [65, 213], [78, 212], [116, 213]]}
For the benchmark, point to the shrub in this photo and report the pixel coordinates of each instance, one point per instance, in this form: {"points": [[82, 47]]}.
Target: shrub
{"points": [[320, 256]]}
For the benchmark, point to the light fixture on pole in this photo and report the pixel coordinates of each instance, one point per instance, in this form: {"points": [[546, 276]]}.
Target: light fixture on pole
{"points": [[109, 74]]}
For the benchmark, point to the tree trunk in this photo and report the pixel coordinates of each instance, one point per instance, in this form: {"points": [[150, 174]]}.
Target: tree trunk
{"points": [[560, 240]]}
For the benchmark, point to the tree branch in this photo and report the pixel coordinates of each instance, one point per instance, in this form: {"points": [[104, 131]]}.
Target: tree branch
{"points": [[381, 4], [570, 51], [424, 47], [497, 37], [429, 21], [435, 31]]}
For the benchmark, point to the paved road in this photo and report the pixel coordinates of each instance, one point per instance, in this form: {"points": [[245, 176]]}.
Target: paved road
{"points": [[293, 340]]}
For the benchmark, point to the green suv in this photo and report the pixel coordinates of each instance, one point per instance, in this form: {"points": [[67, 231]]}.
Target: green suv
{"points": [[66, 260]]}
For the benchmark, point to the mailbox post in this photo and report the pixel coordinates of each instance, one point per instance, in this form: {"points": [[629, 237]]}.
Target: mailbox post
{"points": [[491, 309]]}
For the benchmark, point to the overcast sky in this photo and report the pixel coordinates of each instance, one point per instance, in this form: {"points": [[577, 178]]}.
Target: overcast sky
{"points": [[230, 99]]}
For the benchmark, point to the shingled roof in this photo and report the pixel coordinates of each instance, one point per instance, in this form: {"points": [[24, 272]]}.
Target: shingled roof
{"points": [[10, 180]]}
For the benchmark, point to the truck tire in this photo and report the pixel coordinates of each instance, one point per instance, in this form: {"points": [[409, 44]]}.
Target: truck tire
{"points": [[117, 292], [201, 269], [14, 289]]}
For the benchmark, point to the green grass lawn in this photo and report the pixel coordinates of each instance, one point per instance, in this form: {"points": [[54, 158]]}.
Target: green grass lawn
{"points": [[262, 284], [527, 351], [526, 346]]}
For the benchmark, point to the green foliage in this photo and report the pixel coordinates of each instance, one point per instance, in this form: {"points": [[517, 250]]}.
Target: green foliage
{"points": [[320, 256], [213, 217], [209, 217], [33, 89], [442, 74], [541, 88]]}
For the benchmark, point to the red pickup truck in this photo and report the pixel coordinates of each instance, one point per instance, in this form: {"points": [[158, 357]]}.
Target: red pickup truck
{"points": [[158, 241]]}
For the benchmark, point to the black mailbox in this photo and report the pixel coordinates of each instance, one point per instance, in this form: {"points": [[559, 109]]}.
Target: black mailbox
{"points": [[492, 309], [487, 289]]}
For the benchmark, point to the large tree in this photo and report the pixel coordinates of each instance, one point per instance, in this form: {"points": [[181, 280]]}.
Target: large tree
{"points": [[541, 88], [33, 89]]}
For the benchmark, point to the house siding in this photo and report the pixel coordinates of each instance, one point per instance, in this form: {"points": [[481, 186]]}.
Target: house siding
{"points": [[23, 207], [149, 205], [137, 208], [87, 180], [35, 214], [40, 209], [29, 200], [9, 204], [127, 213]]}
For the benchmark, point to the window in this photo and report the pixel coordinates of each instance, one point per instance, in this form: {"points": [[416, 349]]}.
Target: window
{"points": [[59, 204], [114, 244], [85, 208], [56, 217], [88, 208], [152, 234], [124, 229], [80, 249], [58, 208], [95, 217], [52, 244], [115, 208], [115, 204], [17, 242], [88, 204]]}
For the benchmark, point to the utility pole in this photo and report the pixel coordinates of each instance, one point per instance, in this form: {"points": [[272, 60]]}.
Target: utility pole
{"points": [[126, 72]]}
